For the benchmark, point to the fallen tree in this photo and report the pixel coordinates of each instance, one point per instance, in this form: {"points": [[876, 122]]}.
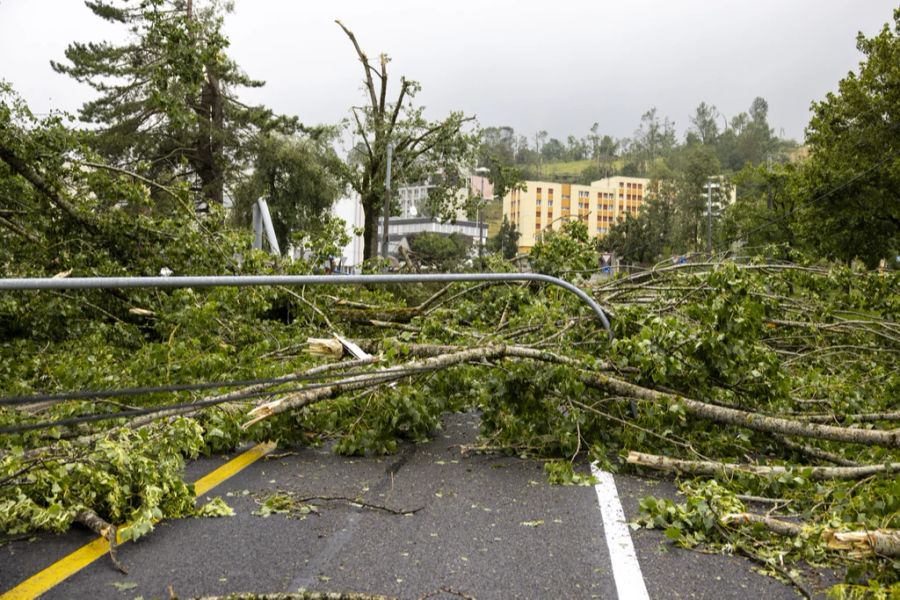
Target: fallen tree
{"points": [[693, 348]]}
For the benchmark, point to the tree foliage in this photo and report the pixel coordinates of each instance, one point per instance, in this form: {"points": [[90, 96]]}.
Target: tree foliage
{"points": [[297, 178], [445, 252], [769, 374], [506, 242], [436, 151], [851, 207], [167, 104]]}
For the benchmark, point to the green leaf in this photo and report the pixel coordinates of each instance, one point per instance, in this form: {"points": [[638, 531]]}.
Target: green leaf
{"points": [[124, 586], [216, 507]]}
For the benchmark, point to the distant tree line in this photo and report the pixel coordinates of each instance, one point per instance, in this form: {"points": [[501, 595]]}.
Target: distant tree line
{"points": [[833, 198]]}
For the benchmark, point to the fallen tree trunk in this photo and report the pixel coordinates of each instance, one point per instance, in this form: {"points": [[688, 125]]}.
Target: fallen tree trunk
{"points": [[730, 416], [860, 418], [884, 542], [713, 469], [439, 357], [311, 396], [223, 401]]}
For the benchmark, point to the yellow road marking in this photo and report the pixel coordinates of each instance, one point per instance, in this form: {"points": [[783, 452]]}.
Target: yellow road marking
{"points": [[67, 566]]}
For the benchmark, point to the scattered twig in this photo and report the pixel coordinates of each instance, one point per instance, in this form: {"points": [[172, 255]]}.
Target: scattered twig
{"points": [[447, 590], [358, 502]]}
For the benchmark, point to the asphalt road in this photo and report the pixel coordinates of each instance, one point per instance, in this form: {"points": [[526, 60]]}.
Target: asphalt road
{"points": [[487, 527]]}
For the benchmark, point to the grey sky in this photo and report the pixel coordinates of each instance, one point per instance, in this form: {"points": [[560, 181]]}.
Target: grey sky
{"points": [[558, 66]]}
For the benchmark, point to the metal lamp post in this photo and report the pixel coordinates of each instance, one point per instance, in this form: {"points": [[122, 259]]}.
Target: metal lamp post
{"points": [[481, 171]]}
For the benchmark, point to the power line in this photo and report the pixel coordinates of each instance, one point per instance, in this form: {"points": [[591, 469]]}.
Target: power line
{"points": [[376, 377], [185, 387]]}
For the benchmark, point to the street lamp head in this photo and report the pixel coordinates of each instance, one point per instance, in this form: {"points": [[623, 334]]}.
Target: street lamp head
{"points": [[482, 170]]}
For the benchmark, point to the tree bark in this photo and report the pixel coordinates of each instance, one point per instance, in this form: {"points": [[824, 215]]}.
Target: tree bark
{"points": [[729, 416], [715, 469], [778, 526], [98, 525], [884, 542], [314, 395], [371, 213], [21, 168], [208, 151]]}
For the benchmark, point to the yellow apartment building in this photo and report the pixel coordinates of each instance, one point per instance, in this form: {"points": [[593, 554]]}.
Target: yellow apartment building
{"points": [[544, 205]]}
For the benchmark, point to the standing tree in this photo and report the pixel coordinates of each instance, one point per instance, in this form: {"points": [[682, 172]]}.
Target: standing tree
{"points": [[295, 176], [422, 150], [853, 175], [765, 210], [654, 139], [695, 165], [167, 106], [704, 123], [506, 241], [497, 143]]}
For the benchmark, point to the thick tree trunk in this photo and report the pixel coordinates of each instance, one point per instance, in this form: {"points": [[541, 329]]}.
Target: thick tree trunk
{"points": [[208, 152], [371, 213]]}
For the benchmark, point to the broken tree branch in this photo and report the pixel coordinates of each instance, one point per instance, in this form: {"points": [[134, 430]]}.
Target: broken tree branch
{"points": [[98, 525], [884, 542], [713, 469], [730, 416], [778, 526]]}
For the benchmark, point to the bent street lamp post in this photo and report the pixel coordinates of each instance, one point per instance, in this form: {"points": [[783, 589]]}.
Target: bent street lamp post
{"points": [[105, 283]]}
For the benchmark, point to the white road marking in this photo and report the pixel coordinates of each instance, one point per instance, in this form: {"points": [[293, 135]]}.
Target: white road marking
{"points": [[625, 567]]}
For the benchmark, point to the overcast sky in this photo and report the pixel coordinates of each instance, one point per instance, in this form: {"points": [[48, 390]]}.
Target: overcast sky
{"points": [[555, 65]]}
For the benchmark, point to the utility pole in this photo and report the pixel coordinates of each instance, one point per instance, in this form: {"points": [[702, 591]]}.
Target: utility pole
{"points": [[480, 241], [709, 217], [386, 210], [482, 172]]}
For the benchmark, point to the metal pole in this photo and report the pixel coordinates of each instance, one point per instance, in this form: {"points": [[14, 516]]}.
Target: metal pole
{"points": [[269, 227], [709, 217], [257, 227], [387, 202], [105, 283], [480, 241]]}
